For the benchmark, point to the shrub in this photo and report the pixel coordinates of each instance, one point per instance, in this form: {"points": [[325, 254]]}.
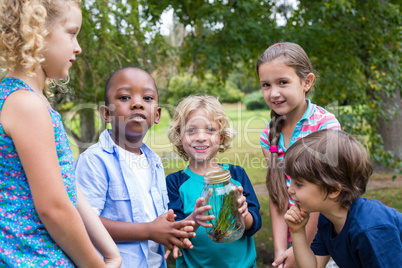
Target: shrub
{"points": [[255, 101], [184, 85]]}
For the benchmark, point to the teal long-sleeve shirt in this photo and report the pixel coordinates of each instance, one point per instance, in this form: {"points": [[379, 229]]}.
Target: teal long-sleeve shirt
{"points": [[184, 188]]}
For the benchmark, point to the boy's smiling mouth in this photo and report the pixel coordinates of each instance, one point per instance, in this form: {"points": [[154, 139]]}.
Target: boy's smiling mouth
{"points": [[201, 149]]}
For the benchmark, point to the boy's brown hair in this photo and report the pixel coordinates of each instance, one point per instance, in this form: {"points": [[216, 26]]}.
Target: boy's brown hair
{"points": [[332, 159]]}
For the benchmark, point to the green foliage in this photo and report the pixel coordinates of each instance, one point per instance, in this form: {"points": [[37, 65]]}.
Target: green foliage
{"points": [[356, 47], [114, 35], [231, 93], [255, 101], [187, 84], [243, 80], [222, 33]]}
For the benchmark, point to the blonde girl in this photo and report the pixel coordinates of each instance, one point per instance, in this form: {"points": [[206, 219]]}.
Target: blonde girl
{"points": [[45, 221], [286, 77]]}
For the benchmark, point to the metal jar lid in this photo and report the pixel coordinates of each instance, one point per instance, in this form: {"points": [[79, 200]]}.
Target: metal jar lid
{"points": [[217, 176]]}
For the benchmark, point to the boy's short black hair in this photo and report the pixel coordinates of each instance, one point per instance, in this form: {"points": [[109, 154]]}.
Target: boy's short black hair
{"points": [[333, 160], [110, 81]]}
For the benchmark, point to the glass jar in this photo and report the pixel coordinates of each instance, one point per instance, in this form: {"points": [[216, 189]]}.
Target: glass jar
{"points": [[222, 195]]}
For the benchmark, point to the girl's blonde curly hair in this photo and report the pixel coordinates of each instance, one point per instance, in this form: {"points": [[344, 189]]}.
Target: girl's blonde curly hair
{"points": [[23, 27], [213, 108]]}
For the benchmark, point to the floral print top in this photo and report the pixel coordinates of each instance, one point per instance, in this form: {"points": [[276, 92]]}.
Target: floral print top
{"points": [[24, 241]]}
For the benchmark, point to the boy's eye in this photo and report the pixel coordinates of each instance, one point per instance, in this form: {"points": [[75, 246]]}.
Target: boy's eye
{"points": [[297, 183], [211, 130], [124, 98], [191, 130], [283, 83], [148, 98]]}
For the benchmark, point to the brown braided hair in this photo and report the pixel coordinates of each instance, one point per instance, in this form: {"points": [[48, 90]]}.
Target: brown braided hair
{"points": [[278, 191]]}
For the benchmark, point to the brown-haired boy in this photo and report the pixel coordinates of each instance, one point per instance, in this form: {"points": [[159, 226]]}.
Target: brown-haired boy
{"points": [[330, 170]]}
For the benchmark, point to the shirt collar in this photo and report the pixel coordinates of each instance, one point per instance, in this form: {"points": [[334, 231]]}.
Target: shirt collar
{"points": [[193, 175], [309, 111], [106, 142], [307, 114], [110, 147]]}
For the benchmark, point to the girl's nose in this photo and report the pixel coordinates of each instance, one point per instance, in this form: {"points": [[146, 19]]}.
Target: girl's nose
{"points": [[77, 48], [275, 92]]}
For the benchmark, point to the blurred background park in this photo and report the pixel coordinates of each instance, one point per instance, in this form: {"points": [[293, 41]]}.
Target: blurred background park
{"points": [[211, 47]]}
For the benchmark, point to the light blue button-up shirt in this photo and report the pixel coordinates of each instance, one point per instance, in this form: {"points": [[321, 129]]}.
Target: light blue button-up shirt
{"points": [[109, 185]]}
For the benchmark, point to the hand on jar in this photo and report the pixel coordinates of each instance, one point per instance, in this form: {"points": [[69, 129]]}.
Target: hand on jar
{"points": [[199, 216], [243, 209]]}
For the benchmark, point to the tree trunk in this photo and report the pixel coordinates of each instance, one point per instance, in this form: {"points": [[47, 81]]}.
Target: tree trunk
{"points": [[87, 125], [390, 128]]}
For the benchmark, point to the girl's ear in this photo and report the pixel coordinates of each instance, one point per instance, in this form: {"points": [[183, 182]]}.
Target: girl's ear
{"points": [[105, 113], [308, 82]]}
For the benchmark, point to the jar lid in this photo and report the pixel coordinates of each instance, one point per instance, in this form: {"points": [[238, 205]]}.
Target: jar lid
{"points": [[217, 176]]}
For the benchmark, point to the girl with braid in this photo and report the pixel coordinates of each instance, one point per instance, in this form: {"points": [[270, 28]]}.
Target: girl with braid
{"points": [[286, 77]]}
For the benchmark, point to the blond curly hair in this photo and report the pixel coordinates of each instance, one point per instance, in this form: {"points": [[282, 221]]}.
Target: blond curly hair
{"points": [[212, 107], [23, 27]]}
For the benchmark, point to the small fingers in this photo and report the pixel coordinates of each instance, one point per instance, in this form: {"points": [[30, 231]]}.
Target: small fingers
{"points": [[187, 229], [182, 224], [243, 206], [203, 209], [294, 215], [200, 202], [240, 190], [176, 252], [292, 218], [205, 218], [206, 225], [176, 243], [241, 200], [183, 234], [188, 243], [278, 262], [167, 253], [204, 221]]}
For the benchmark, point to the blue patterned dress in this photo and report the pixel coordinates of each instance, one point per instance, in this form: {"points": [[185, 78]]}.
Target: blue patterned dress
{"points": [[24, 241]]}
